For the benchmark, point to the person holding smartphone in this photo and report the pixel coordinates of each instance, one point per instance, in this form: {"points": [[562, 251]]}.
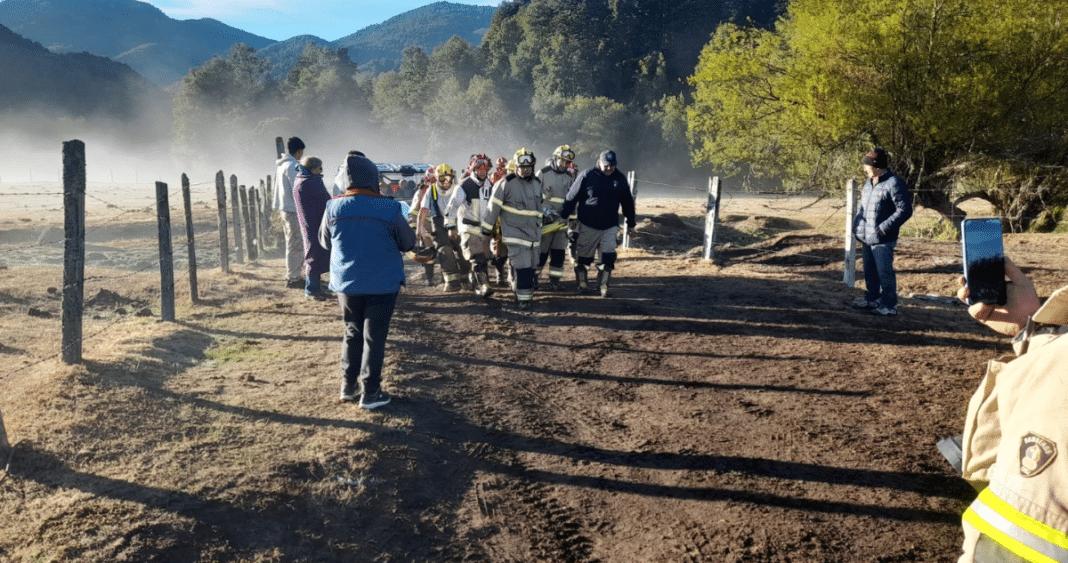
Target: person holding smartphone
{"points": [[1015, 442], [885, 205]]}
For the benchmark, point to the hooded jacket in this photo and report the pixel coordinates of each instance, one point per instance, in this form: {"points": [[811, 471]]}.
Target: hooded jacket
{"points": [[285, 174]]}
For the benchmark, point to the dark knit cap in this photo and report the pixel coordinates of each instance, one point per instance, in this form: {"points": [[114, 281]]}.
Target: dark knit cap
{"points": [[608, 157], [876, 158], [362, 172]]}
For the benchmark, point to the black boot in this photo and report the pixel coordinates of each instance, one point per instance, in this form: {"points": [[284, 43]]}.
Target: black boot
{"points": [[428, 269]]}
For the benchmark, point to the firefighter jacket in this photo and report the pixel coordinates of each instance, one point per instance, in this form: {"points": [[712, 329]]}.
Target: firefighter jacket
{"points": [[1016, 447], [554, 186], [517, 203], [436, 203], [468, 203]]}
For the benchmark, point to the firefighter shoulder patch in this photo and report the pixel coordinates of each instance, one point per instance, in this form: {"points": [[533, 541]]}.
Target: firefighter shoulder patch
{"points": [[1036, 454]]}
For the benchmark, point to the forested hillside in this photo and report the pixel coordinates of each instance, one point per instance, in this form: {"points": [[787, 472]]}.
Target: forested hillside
{"points": [[160, 48], [73, 85]]}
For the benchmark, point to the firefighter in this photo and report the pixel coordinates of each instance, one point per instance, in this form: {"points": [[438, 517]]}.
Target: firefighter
{"points": [[467, 204], [516, 201], [596, 197], [433, 206], [419, 219], [498, 250], [1016, 432], [556, 180]]}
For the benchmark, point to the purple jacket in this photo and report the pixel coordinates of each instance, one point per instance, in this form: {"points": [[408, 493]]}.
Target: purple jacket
{"points": [[310, 197]]}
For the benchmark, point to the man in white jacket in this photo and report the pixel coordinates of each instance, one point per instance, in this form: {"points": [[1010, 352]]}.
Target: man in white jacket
{"points": [[287, 209]]}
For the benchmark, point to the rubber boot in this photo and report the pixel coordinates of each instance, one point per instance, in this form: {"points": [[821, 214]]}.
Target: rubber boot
{"points": [[428, 269], [580, 280], [554, 283], [481, 282], [603, 276]]}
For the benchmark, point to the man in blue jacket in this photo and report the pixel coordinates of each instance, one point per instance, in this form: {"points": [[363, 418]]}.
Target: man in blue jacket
{"points": [[885, 205], [366, 234], [597, 196]]}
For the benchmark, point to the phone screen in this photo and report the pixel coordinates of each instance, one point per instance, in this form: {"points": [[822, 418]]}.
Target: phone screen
{"points": [[984, 260]]}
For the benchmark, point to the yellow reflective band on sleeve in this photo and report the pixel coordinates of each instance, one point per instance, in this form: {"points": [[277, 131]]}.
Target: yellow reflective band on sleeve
{"points": [[523, 212], [1019, 533], [555, 199], [520, 242]]}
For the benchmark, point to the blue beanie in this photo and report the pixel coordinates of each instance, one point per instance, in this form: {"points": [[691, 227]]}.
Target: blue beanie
{"points": [[362, 172]]}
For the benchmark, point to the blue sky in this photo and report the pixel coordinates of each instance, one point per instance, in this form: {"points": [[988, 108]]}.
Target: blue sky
{"points": [[282, 19]]}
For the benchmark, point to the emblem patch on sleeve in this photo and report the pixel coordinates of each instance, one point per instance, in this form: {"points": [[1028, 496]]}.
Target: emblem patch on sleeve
{"points": [[1036, 453]]}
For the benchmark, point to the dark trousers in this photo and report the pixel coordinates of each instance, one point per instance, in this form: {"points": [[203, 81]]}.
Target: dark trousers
{"points": [[363, 346], [879, 277]]}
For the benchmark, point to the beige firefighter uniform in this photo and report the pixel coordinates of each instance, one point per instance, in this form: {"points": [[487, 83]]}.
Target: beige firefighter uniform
{"points": [[517, 203], [1015, 437], [554, 187]]}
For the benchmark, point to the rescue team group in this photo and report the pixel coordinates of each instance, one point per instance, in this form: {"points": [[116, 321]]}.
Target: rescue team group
{"points": [[1016, 426]]}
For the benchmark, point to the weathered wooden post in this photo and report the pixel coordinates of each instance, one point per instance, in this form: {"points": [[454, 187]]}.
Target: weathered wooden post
{"points": [[224, 244], [166, 254], [73, 249], [234, 206], [254, 216], [4, 444], [245, 216], [189, 241], [711, 216], [633, 181], [257, 206], [268, 203], [850, 275]]}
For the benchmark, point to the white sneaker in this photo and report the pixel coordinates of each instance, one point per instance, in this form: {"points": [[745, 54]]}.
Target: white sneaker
{"points": [[866, 305], [884, 311]]}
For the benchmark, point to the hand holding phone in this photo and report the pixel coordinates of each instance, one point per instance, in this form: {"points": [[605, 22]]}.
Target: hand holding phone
{"points": [[1021, 302]]}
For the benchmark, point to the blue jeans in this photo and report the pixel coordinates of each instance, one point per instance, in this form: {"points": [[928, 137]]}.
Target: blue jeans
{"points": [[363, 346], [312, 285], [879, 277]]}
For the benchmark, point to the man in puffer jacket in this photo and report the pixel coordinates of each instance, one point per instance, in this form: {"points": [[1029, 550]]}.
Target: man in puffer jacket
{"points": [[366, 233], [885, 205]]}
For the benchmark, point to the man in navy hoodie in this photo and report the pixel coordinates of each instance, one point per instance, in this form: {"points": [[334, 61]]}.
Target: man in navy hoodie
{"points": [[597, 196]]}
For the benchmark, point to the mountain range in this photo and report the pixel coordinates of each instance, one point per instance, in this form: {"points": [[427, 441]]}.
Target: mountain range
{"points": [[164, 49]]}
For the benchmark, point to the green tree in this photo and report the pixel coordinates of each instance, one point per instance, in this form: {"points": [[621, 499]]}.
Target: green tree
{"points": [[323, 85], [943, 85]]}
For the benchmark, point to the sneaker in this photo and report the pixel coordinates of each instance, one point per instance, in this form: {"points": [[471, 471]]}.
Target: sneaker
{"points": [[315, 296], [374, 400], [295, 284], [884, 311], [866, 305], [348, 397]]}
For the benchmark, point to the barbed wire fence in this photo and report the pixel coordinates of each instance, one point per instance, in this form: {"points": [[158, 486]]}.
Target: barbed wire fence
{"points": [[118, 223]]}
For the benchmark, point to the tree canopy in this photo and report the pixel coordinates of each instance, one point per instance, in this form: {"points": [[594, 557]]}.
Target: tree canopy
{"points": [[956, 90]]}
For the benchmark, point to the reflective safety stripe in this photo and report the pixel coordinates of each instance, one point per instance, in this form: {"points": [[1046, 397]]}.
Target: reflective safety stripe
{"points": [[510, 209], [554, 199], [520, 242], [472, 230], [1031, 539], [452, 277]]}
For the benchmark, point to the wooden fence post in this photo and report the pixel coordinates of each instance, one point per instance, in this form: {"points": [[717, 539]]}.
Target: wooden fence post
{"points": [[224, 244], [166, 254], [633, 181], [4, 444], [849, 277], [73, 249], [235, 207], [246, 217], [711, 216], [189, 240], [254, 215]]}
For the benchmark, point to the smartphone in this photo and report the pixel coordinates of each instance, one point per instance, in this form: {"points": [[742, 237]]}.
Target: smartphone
{"points": [[984, 260]]}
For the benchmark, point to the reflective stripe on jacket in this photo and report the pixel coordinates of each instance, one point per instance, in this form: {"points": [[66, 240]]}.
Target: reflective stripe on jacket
{"points": [[517, 203], [1030, 539]]}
